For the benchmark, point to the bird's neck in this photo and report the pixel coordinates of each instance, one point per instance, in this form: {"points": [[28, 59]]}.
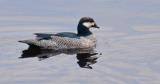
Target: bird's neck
{"points": [[83, 31]]}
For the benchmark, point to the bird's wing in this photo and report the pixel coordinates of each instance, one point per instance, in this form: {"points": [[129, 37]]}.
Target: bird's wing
{"points": [[62, 34], [43, 35], [55, 42], [67, 34]]}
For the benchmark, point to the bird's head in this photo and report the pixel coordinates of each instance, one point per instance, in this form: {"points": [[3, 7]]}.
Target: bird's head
{"points": [[88, 22]]}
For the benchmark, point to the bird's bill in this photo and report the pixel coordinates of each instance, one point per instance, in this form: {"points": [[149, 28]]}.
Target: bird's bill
{"points": [[95, 25]]}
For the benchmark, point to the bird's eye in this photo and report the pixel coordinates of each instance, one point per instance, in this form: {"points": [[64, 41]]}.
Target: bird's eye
{"points": [[93, 23]]}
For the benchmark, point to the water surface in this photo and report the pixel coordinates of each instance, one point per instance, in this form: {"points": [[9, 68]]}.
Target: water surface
{"points": [[127, 50]]}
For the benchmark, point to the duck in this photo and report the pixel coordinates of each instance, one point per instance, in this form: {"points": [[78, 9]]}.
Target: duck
{"points": [[83, 39]]}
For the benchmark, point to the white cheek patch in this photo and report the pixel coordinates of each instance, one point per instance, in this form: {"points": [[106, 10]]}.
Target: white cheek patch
{"points": [[87, 24]]}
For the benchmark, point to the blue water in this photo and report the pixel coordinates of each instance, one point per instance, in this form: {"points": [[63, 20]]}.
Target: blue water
{"points": [[127, 49]]}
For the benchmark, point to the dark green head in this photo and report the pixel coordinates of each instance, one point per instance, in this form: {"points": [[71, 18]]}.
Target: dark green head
{"points": [[84, 26]]}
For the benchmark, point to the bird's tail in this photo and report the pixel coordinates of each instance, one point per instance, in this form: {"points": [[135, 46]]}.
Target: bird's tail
{"points": [[27, 41], [22, 41]]}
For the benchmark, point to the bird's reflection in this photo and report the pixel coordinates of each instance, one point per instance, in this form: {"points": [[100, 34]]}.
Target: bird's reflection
{"points": [[85, 57]]}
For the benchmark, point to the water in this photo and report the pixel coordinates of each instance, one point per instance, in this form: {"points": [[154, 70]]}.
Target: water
{"points": [[127, 50]]}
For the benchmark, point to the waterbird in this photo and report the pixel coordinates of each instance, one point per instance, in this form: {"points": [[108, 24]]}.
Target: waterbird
{"points": [[84, 38]]}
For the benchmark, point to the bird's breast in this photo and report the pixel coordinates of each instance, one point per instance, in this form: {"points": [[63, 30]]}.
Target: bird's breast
{"points": [[88, 42]]}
